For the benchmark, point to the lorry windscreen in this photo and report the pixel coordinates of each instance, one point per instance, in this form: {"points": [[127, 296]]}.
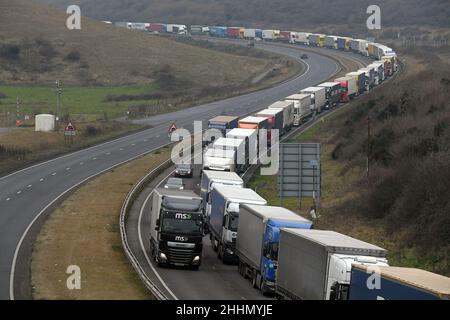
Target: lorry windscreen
{"points": [[181, 226], [233, 222], [183, 204], [271, 250]]}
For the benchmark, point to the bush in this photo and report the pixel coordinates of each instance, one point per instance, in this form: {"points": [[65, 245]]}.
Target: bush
{"points": [[13, 152], [10, 52], [92, 131], [73, 56]]}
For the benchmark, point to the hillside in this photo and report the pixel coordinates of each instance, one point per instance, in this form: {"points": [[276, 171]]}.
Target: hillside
{"points": [[404, 205], [282, 13], [36, 47]]}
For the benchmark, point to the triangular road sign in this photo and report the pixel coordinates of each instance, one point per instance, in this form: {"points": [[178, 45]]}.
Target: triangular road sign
{"points": [[173, 127]]}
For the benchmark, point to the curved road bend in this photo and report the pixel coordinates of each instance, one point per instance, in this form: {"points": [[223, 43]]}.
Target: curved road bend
{"points": [[213, 281], [25, 194]]}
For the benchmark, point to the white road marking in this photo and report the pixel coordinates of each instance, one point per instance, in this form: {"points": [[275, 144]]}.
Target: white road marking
{"points": [[142, 243], [29, 186], [19, 192], [121, 149], [7, 199], [67, 169], [108, 153], [19, 244], [81, 163], [54, 174], [41, 179], [133, 144], [94, 158]]}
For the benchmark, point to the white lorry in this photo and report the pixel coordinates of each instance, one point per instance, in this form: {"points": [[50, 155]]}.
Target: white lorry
{"points": [[212, 179], [303, 107], [288, 112], [318, 97], [223, 221], [317, 264], [220, 160], [237, 145], [251, 142]]}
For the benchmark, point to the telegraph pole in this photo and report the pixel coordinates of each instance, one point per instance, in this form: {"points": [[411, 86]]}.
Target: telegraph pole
{"points": [[17, 111], [58, 101]]}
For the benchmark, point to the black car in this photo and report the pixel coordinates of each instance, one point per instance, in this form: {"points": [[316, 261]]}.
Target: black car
{"points": [[304, 56], [184, 170]]}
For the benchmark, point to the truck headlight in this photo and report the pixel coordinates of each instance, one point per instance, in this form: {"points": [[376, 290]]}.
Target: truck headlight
{"points": [[229, 251], [162, 256], [196, 259]]}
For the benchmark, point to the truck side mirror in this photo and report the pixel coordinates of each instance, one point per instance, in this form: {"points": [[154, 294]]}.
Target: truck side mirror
{"points": [[157, 225]]}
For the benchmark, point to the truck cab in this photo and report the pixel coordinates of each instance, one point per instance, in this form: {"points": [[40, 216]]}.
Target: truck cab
{"points": [[212, 179], [340, 270], [176, 228], [224, 219]]}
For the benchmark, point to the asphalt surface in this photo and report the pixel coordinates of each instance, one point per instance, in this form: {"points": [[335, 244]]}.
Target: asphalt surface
{"points": [[214, 280], [26, 194]]}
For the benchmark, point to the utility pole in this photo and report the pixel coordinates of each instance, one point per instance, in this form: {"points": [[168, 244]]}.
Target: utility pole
{"points": [[368, 146], [17, 111], [58, 101]]}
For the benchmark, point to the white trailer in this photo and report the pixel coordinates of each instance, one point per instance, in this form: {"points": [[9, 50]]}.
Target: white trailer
{"points": [[288, 112], [219, 159], [303, 107], [317, 264], [250, 137], [318, 97], [270, 35], [212, 179], [250, 33], [238, 145], [302, 38]]}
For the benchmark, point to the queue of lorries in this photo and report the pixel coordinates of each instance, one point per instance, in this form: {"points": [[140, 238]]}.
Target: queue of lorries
{"points": [[278, 250]]}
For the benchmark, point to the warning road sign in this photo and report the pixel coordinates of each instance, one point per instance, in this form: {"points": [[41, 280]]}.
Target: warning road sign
{"points": [[173, 127], [69, 127]]}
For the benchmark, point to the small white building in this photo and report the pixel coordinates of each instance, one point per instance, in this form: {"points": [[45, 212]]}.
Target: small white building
{"points": [[45, 122]]}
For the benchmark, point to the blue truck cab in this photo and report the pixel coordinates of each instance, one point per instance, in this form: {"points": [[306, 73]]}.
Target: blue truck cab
{"points": [[258, 239], [270, 248]]}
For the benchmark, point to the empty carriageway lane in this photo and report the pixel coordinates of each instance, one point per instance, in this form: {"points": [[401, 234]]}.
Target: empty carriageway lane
{"points": [[25, 194]]}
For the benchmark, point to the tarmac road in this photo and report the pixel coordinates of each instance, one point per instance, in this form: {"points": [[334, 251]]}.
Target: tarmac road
{"points": [[26, 195]]}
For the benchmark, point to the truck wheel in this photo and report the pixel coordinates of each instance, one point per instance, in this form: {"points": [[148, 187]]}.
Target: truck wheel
{"points": [[219, 249], [262, 287], [255, 280], [242, 268], [214, 244]]}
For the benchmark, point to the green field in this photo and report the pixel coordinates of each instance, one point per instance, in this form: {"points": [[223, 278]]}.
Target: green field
{"points": [[74, 100]]}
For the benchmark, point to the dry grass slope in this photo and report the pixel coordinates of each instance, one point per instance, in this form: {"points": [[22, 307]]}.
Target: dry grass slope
{"points": [[38, 48]]}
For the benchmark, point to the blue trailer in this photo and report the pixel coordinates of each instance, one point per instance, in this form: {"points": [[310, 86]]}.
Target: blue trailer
{"points": [[343, 43], [217, 31], [223, 124], [258, 238], [396, 283]]}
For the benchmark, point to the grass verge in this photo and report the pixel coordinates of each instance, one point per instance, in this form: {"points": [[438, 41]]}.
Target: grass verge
{"points": [[83, 231]]}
